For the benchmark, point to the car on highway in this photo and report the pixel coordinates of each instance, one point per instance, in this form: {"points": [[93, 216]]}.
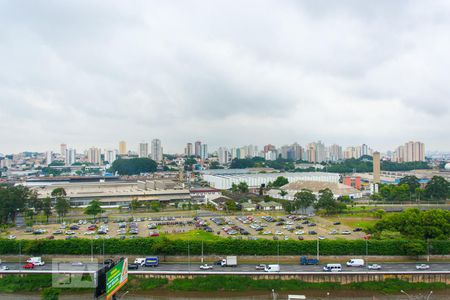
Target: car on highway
{"points": [[206, 267], [133, 266], [77, 264], [4, 268], [28, 266], [261, 267], [374, 267], [422, 267]]}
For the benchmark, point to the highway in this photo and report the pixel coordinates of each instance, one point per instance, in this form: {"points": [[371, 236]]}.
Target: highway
{"points": [[241, 268]]}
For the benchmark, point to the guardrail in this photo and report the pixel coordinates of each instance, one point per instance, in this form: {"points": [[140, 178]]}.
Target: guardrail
{"points": [[232, 273]]}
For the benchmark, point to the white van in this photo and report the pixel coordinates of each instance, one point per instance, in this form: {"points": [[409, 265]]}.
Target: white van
{"points": [[272, 268], [37, 261], [333, 268], [355, 262]]}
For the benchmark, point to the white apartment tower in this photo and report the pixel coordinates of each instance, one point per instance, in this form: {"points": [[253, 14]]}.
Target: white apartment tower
{"points": [[143, 149], [157, 150]]}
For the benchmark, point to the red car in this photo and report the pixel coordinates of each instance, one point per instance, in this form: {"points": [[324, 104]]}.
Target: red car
{"points": [[92, 227], [28, 266], [154, 234]]}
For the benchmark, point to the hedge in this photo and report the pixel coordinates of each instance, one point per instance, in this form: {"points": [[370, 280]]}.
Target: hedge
{"points": [[164, 246]]}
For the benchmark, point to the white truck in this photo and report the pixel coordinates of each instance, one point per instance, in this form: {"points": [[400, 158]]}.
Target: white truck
{"points": [[229, 261], [272, 268], [37, 261], [140, 261]]}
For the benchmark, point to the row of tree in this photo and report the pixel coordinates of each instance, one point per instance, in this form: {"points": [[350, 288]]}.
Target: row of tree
{"points": [[415, 224], [409, 188]]}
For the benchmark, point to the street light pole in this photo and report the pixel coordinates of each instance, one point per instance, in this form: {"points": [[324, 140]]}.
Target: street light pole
{"points": [[429, 295], [202, 251], [318, 249], [189, 258], [403, 292]]}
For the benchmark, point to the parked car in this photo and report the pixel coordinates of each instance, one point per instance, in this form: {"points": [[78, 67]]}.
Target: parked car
{"points": [[346, 232], [12, 237], [206, 267], [74, 227], [300, 238], [357, 229], [422, 267], [312, 232], [337, 223], [374, 267]]}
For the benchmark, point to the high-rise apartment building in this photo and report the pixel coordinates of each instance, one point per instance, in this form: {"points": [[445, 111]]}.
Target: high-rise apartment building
{"points": [[63, 149], [188, 151], [204, 154], [143, 149], [123, 148], [48, 157], [316, 152], [70, 157], [335, 152], [224, 155], [198, 148], [269, 147], [157, 150], [409, 152], [110, 155], [94, 156]]}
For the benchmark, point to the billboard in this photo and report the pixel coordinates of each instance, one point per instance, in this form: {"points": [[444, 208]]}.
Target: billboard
{"points": [[116, 277]]}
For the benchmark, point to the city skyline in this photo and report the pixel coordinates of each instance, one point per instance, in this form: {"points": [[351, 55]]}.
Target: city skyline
{"points": [[346, 73]]}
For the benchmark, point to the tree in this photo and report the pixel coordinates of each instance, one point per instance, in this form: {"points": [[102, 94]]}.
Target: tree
{"points": [[62, 206], [243, 187], [215, 165], [412, 182], [47, 207], [437, 188], [58, 192], [234, 187], [156, 206], [230, 205], [50, 294], [414, 248], [134, 166], [14, 199], [328, 203], [280, 181], [283, 193], [135, 204], [304, 199], [189, 162], [93, 208], [148, 205]]}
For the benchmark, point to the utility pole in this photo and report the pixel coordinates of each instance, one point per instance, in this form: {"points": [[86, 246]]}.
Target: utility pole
{"points": [[189, 258], [202, 251]]}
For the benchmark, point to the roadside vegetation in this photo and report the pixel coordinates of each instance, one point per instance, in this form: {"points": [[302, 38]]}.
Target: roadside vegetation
{"points": [[36, 283]]}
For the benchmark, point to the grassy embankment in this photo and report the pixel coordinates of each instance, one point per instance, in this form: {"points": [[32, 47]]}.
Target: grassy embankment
{"points": [[34, 283]]}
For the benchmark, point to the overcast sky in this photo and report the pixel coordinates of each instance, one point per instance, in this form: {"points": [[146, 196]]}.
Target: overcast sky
{"points": [[229, 73]]}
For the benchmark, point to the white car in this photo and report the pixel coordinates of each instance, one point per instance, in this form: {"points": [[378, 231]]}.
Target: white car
{"points": [[261, 267], [12, 237], [279, 232], [346, 232], [321, 237], [299, 232], [267, 232], [77, 264], [4, 268], [422, 267], [206, 267], [374, 267]]}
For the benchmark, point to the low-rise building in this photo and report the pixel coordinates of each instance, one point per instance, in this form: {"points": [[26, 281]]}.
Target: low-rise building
{"points": [[270, 206]]}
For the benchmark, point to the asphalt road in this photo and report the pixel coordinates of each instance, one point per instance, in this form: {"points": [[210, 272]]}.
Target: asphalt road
{"points": [[390, 267]]}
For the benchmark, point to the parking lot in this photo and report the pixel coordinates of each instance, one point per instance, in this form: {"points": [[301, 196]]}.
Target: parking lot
{"points": [[241, 226]]}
